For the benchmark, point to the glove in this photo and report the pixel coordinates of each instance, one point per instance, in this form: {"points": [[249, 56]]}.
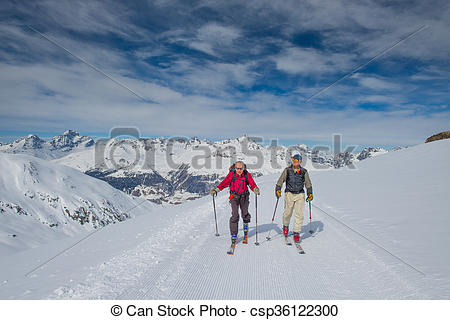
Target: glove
{"points": [[278, 193], [214, 192], [310, 197], [256, 191]]}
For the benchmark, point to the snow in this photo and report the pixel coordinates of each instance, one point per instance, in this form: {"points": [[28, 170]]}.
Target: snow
{"points": [[396, 203], [39, 202], [59, 146]]}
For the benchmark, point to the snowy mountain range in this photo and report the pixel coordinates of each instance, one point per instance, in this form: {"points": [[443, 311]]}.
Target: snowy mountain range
{"points": [[56, 147], [172, 171]]}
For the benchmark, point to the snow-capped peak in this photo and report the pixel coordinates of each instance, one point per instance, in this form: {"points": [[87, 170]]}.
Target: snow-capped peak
{"points": [[57, 147], [70, 139], [31, 141], [369, 152]]}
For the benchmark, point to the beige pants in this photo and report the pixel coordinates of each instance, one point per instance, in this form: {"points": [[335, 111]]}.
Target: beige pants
{"points": [[294, 202]]}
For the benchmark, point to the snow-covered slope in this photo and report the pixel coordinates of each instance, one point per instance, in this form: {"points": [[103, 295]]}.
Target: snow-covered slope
{"points": [[400, 200], [382, 234], [41, 201]]}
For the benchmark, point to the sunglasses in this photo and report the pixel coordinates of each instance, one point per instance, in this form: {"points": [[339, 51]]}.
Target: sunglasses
{"points": [[239, 168]]}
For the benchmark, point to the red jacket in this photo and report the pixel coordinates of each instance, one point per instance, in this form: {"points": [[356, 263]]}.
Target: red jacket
{"points": [[239, 182]]}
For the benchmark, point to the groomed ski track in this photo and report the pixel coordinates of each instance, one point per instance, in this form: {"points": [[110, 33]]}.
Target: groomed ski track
{"points": [[183, 259]]}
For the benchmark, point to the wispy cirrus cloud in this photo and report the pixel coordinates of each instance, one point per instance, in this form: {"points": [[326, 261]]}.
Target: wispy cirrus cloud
{"points": [[212, 36], [377, 83], [307, 61]]}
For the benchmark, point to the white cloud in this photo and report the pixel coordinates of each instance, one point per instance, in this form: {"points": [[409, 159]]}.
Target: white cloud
{"points": [[93, 17], [378, 98], [210, 78], [376, 82], [212, 36], [312, 61], [431, 73]]}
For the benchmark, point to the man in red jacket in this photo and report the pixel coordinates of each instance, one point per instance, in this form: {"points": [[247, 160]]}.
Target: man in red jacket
{"points": [[238, 179]]}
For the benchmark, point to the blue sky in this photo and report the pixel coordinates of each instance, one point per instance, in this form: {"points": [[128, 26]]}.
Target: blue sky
{"points": [[220, 69]]}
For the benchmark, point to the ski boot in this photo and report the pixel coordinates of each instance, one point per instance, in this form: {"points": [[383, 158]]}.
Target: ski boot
{"points": [[233, 244], [296, 237], [297, 243], [245, 241], [285, 231]]}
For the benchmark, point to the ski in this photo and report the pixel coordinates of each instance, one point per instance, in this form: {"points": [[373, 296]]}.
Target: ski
{"points": [[245, 240], [231, 250], [287, 241], [299, 248]]}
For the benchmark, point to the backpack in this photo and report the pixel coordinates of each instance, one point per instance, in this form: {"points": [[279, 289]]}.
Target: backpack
{"points": [[245, 172]]}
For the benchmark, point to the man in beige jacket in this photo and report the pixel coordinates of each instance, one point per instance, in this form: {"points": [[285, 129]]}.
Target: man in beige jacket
{"points": [[296, 178]]}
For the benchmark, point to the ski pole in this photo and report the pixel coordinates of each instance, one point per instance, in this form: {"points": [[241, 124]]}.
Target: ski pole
{"points": [[273, 217], [256, 210], [310, 228], [215, 216]]}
